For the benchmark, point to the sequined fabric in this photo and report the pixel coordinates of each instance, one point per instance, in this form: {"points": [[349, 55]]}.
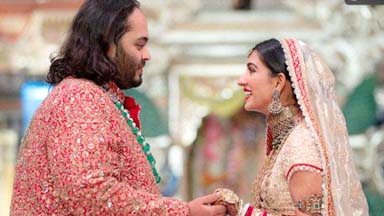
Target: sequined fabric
{"points": [[298, 149], [79, 157]]}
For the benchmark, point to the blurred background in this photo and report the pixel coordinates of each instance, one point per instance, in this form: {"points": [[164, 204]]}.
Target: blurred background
{"points": [[192, 108]]}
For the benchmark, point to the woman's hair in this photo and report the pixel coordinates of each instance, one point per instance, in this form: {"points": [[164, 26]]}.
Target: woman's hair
{"points": [[97, 25], [271, 54]]}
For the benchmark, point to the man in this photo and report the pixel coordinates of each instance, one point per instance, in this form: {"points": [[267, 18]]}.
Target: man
{"points": [[83, 153]]}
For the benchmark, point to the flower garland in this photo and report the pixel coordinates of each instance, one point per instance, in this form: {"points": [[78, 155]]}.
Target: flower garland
{"points": [[136, 131]]}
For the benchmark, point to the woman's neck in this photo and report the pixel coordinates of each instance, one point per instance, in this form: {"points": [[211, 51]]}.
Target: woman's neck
{"points": [[276, 122]]}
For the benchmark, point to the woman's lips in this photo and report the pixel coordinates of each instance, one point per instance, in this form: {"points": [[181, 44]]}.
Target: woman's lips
{"points": [[248, 93]]}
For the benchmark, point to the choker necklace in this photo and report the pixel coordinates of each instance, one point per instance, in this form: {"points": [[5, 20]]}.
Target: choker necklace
{"points": [[136, 131], [280, 125]]}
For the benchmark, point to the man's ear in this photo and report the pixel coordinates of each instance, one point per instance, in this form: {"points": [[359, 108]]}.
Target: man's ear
{"points": [[111, 51]]}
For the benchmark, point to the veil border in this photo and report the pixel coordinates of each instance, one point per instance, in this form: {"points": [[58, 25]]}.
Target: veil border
{"points": [[294, 60]]}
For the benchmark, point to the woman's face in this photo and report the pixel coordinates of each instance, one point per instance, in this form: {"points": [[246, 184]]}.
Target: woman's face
{"points": [[258, 84]]}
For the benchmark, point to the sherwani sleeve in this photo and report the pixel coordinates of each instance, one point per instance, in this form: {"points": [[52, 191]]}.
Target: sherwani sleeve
{"points": [[85, 161]]}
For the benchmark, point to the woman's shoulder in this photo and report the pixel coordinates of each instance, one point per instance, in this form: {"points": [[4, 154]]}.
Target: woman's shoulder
{"points": [[300, 151], [300, 143], [300, 136]]}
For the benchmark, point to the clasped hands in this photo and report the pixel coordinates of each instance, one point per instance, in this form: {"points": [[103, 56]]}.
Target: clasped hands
{"points": [[221, 202]]}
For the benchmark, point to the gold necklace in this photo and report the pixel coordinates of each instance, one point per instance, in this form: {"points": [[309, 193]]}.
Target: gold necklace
{"points": [[279, 122]]}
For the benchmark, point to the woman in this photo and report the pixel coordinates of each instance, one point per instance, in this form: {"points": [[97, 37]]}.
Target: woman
{"points": [[308, 168]]}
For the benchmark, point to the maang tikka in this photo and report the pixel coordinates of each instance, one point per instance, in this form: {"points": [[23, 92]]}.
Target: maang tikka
{"points": [[275, 106]]}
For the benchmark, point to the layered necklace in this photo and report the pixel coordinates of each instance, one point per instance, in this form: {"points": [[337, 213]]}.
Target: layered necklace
{"points": [[136, 131], [279, 126]]}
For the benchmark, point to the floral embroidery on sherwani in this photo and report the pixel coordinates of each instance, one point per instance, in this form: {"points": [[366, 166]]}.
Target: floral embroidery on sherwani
{"points": [[79, 157]]}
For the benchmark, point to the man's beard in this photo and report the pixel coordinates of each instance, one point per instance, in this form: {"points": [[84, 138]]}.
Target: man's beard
{"points": [[127, 66]]}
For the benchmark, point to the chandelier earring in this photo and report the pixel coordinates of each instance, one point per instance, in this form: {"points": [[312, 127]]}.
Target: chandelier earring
{"points": [[275, 107]]}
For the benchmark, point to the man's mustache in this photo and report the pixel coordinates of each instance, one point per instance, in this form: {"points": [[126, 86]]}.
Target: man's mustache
{"points": [[142, 64]]}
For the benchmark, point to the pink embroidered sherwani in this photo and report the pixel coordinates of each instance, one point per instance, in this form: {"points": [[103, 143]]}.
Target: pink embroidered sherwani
{"points": [[79, 157]]}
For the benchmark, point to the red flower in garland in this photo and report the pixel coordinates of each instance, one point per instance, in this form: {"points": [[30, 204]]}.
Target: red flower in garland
{"points": [[133, 109], [268, 140]]}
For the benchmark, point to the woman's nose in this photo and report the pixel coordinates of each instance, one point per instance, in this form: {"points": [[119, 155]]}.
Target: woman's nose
{"points": [[241, 81]]}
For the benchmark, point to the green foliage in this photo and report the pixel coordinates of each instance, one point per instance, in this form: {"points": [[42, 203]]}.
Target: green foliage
{"points": [[360, 108]]}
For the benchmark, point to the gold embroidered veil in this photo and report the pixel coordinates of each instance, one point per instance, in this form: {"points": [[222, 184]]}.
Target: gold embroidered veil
{"points": [[313, 84]]}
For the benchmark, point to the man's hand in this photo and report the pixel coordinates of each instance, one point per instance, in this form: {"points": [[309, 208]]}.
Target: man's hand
{"points": [[201, 206], [228, 199]]}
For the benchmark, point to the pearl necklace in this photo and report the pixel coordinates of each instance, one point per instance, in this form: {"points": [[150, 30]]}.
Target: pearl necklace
{"points": [[136, 131]]}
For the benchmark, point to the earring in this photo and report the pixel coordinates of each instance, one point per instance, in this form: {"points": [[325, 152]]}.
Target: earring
{"points": [[275, 106]]}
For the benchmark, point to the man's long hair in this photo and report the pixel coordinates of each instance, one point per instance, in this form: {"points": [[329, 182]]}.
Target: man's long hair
{"points": [[97, 25]]}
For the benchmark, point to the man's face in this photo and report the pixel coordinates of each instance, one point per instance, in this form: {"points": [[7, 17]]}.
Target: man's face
{"points": [[131, 52]]}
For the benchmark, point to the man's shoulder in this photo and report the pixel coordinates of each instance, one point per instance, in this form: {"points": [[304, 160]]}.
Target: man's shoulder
{"points": [[74, 89], [71, 83]]}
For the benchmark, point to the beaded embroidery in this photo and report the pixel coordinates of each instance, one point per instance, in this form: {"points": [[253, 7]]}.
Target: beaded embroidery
{"points": [[136, 131], [302, 167]]}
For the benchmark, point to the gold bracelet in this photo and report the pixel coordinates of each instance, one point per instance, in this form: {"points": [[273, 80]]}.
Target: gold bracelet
{"points": [[311, 205]]}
